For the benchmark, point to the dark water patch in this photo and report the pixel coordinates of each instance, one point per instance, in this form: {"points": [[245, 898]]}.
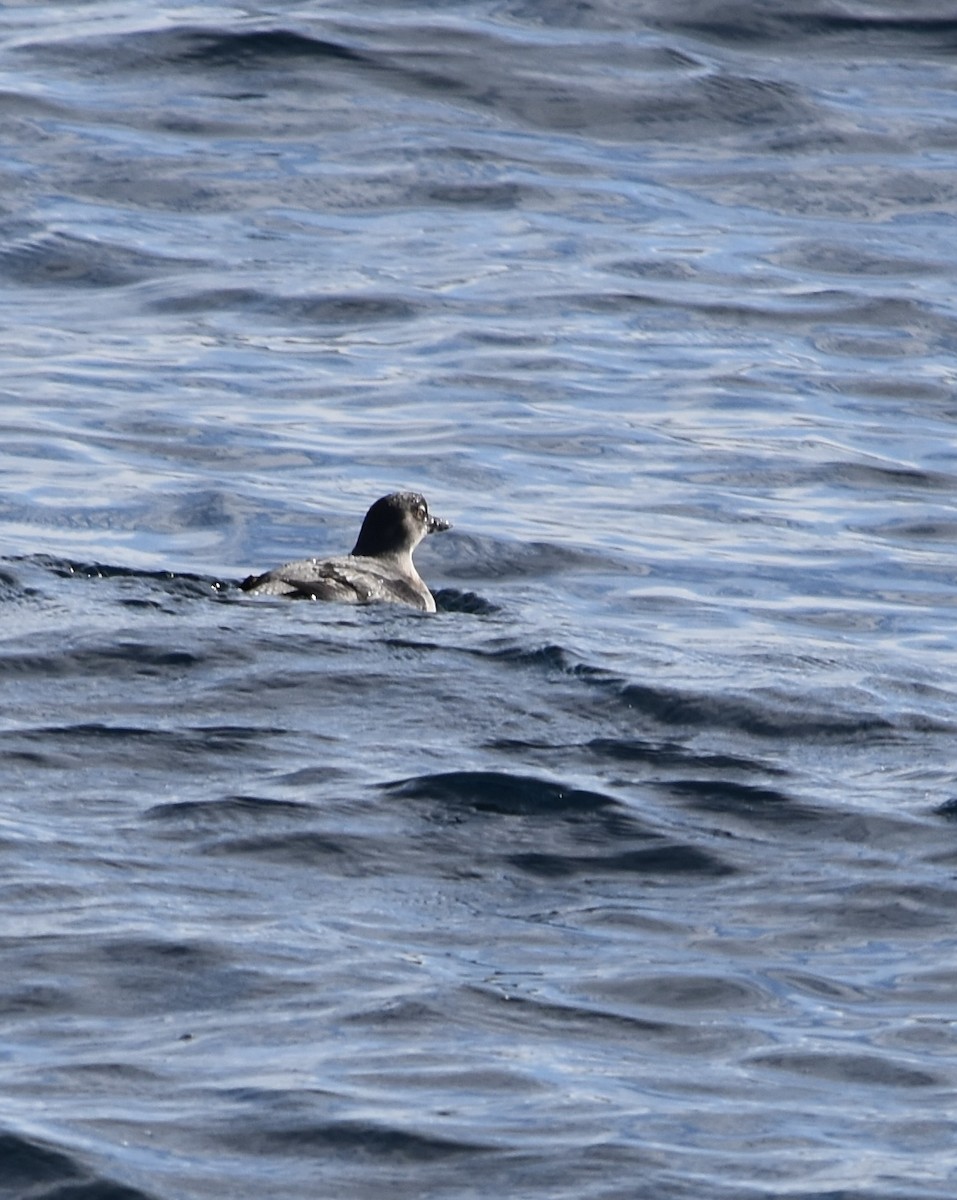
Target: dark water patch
{"points": [[141, 603], [819, 313], [183, 582], [148, 660], [666, 860], [66, 260], [15, 104], [540, 1017], [668, 96], [897, 531], [852, 1070], [816, 29], [487, 820], [453, 600], [947, 809], [899, 388], [412, 645], [34, 1170], [548, 657], [187, 47], [153, 954], [861, 193], [828, 258], [820, 987], [346, 309], [228, 811], [359, 685], [29, 759], [471, 556], [396, 1014], [337, 855], [534, 1019], [343, 309], [662, 270], [889, 480], [481, 195], [10, 583], [734, 100], [650, 755], [209, 300], [894, 910], [504, 794], [33, 999], [43, 896], [765, 719], [312, 777], [131, 740], [235, 48], [361, 1140], [761, 805], [104, 1077], [690, 992], [117, 976], [673, 754], [882, 480]]}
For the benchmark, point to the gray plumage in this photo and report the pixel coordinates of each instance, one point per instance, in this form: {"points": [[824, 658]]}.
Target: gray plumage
{"points": [[379, 569]]}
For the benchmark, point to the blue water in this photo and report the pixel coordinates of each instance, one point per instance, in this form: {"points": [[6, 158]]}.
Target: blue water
{"points": [[631, 872]]}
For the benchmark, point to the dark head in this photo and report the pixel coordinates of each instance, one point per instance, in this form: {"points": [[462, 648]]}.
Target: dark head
{"points": [[396, 524]]}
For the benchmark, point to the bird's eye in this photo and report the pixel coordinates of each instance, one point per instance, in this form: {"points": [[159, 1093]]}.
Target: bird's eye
{"points": [[422, 511]]}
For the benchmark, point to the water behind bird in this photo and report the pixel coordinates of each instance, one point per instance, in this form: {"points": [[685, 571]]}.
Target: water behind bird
{"points": [[627, 871]]}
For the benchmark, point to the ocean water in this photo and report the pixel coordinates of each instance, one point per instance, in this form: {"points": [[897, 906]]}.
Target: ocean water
{"points": [[631, 872]]}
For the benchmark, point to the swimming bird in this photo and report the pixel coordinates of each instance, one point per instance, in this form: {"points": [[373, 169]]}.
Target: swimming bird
{"points": [[379, 569]]}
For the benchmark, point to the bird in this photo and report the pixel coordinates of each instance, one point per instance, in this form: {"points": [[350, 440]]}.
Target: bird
{"points": [[379, 569]]}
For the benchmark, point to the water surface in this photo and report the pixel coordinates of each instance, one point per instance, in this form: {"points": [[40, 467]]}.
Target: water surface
{"points": [[631, 871]]}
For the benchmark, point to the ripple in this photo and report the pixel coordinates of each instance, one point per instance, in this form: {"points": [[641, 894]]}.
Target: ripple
{"points": [[30, 1164], [496, 792], [852, 1070], [655, 860], [60, 259]]}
